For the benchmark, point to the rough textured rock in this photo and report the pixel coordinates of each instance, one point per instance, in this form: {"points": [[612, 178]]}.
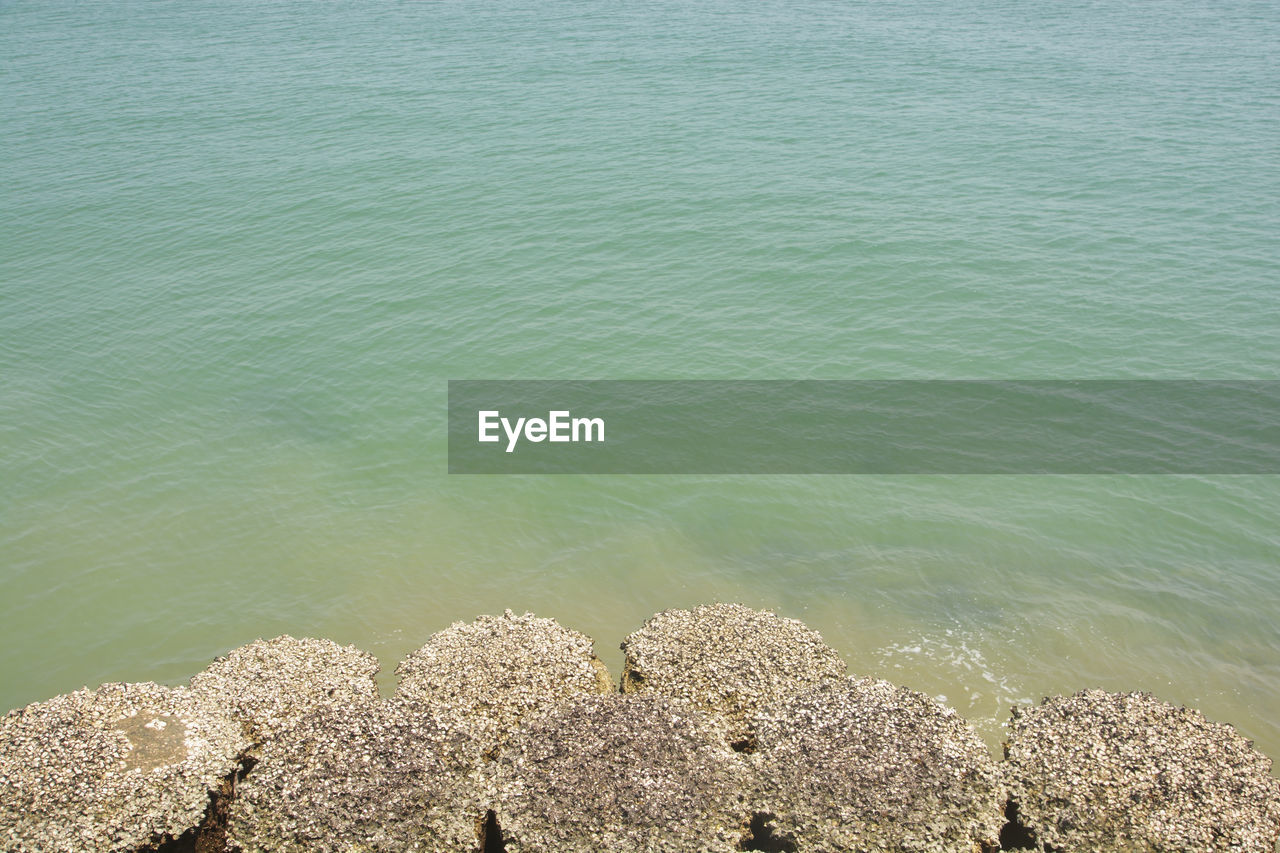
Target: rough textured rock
{"points": [[113, 769], [619, 773], [1127, 772], [726, 659], [483, 677], [498, 738], [863, 765], [272, 685], [359, 777]]}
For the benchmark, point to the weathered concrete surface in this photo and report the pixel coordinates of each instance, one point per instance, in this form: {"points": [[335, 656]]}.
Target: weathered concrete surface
{"points": [[272, 685], [369, 776], [863, 765], [726, 659], [1127, 772], [619, 773], [123, 767], [483, 677]]}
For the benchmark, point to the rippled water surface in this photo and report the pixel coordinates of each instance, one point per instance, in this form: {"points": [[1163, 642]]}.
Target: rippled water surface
{"points": [[243, 245]]}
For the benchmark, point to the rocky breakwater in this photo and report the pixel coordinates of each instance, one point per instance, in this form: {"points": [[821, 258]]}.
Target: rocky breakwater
{"points": [[732, 729]]}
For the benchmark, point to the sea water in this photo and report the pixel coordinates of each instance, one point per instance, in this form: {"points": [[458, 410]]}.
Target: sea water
{"points": [[244, 245]]}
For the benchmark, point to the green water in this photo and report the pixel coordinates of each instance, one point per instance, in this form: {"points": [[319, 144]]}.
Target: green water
{"points": [[244, 245]]}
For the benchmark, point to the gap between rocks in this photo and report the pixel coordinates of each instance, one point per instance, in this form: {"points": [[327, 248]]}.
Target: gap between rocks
{"points": [[760, 836], [211, 835], [489, 834], [1014, 835]]}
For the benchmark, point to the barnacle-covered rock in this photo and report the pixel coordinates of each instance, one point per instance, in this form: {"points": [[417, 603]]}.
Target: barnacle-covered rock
{"points": [[483, 677], [361, 777], [119, 768], [619, 773], [859, 764], [1127, 772], [726, 659], [272, 685]]}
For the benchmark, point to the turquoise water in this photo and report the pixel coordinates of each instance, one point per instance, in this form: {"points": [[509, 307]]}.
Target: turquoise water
{"points": [[244, 245]]}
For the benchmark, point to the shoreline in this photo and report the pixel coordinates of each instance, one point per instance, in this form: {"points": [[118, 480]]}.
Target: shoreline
{"points": [[728, 729]]}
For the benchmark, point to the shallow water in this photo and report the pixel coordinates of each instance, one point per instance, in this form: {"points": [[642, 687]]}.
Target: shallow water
{"points": [[244, 245]]}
